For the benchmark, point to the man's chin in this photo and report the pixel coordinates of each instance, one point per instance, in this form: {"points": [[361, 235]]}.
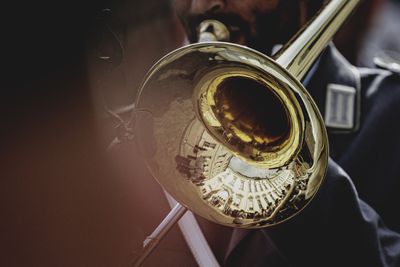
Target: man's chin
{"points": [[241, 40], [266, 49]]}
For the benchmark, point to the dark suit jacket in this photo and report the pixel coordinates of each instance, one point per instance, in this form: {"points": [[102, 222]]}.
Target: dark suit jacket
{"points": [[339, 228]]}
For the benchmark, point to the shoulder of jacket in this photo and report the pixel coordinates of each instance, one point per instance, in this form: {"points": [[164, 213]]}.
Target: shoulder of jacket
{"points": [[388, 60], [375, 79]]}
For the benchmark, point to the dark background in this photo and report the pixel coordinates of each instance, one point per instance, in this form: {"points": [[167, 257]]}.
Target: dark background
{"points": [[64, 201]]}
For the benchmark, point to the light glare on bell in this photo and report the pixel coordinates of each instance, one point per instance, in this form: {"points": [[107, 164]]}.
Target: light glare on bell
{"points": [[200, 133], [232, 134]]}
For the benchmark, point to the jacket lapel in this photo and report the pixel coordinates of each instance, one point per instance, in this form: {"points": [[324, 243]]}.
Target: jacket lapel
{"points": [[336, 89]]}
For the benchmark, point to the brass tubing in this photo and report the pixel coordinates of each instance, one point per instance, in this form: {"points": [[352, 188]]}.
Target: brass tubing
{"points": [[298, 55]]}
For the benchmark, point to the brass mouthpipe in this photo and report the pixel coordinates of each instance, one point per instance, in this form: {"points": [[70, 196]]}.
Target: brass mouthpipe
{"points": [[298, 55]]}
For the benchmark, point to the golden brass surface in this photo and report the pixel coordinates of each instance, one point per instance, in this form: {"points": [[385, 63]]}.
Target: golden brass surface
{"points": [[222, 171], [232, 134]]}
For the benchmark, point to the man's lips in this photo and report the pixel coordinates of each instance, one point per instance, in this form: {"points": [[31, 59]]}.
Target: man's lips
{"points": [[236, 25], [236, 34]]}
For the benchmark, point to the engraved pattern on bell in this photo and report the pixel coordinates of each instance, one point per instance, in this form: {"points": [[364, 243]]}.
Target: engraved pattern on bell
{"points": [[232, 186]]}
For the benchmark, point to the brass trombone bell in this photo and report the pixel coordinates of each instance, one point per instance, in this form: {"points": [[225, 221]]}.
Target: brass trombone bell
{"points": [[232, 134]]}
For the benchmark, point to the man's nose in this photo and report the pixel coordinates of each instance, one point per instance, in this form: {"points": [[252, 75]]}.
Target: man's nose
{"points": [[207, 6]]}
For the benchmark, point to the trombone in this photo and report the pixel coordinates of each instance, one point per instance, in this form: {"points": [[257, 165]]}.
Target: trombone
{"points": [[232, 134]]}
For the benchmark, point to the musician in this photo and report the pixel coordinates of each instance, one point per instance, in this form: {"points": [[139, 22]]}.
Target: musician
{"points": [[353, 219]]}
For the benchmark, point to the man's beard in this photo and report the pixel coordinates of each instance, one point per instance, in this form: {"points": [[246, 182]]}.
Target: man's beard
{"points": [[262, 35], [276, 28]]}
